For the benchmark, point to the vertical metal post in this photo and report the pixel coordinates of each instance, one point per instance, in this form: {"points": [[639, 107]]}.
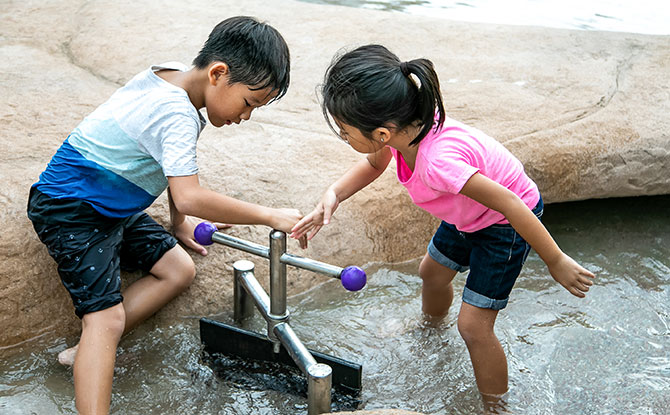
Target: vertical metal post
{"points": [[277, 274], [319, 383], [278, 313], [243, 303], [319, 375]]}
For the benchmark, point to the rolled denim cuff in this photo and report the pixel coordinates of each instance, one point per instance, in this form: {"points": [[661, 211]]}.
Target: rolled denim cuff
{"points": [[481, 301], [441, 259]]}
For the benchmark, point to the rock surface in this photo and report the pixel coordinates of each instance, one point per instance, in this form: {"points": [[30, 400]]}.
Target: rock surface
{"points": [[585, 111]]}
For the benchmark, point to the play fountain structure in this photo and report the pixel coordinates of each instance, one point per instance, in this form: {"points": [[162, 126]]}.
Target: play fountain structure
{"points": [[281, 344]]}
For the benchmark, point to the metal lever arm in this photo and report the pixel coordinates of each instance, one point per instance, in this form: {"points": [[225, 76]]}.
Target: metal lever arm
{"points": [[353, 278]]}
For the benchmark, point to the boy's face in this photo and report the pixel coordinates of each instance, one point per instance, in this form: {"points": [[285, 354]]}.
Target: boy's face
{"points": [[231, 103]]}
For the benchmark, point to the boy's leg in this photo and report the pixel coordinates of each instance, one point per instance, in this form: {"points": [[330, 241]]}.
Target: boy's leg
{"points": [[67, 356], [486, 354], [437, 291], [169, 277], [149, 246], [94, 363]]}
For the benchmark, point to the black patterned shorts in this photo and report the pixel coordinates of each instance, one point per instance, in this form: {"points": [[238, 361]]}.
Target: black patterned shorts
{"points": [[90, 257]]}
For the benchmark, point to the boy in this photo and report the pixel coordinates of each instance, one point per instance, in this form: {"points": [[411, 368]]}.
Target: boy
{"points": [[87, 206]]}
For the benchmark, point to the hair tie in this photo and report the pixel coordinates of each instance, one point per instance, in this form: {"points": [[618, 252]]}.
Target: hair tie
{"points": [[404, 69]]}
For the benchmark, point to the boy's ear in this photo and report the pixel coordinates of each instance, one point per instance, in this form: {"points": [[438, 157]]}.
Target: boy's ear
{"points": [[218, 71]]}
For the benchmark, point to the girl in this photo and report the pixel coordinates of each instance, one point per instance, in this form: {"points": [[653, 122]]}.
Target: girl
{"points": [[489, 207]]}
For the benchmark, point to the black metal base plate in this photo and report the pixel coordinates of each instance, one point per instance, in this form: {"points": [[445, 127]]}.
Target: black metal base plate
{"points": [[219, 337]]}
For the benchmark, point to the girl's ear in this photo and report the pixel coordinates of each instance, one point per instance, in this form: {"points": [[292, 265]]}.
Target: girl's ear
{"points": [[381, 134], [218, 71]]}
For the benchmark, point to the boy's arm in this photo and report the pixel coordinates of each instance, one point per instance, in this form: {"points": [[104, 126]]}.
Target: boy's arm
{"points": [[184, 226], [176, 217], [356, 178], [191, 199], [563, 269]]}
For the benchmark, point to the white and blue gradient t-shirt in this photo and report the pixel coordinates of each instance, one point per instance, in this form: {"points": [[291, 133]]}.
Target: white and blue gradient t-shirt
{"points": [[119, 157]]}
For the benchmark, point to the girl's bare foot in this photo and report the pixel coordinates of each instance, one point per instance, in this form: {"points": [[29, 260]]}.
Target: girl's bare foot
{"points": [[495, 404], [66, 357], [431, 321]]}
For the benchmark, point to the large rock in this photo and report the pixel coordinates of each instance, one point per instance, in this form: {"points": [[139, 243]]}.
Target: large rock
{"points": [[585, 111]]}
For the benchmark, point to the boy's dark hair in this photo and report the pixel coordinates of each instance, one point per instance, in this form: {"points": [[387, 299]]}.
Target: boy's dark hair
{"points": [[369, 88], [255, 53]]}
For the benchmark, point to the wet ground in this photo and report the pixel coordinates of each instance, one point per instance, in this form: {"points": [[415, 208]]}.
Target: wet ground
{"points": [[606, 354]]}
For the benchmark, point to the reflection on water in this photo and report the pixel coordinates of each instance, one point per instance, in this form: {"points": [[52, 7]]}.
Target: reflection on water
{"points": [[606, 354], [642, 16]]}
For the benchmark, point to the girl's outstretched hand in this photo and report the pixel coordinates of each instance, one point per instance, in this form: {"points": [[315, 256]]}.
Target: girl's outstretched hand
{"points": [[316, 219], [184, 232], [572, 276]]}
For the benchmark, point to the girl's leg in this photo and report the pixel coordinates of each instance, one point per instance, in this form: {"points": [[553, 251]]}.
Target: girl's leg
{"points": [[437, 292], [169, 277], [94, 364], [488, 358]]}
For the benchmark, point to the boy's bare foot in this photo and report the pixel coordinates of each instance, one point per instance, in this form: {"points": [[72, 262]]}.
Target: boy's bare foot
{"points": [[66, 357]]}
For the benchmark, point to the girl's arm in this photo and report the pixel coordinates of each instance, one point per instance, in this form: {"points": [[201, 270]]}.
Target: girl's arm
{"points": [[356, 178], [562, 268]]}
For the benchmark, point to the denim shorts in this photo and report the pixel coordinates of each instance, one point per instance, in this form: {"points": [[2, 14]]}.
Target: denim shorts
{"points": [[90, 257], [494, 256]]}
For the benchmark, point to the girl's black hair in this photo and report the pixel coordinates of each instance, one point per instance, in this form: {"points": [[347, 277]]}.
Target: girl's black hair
{"points": [[255, 52], [369, 88]]}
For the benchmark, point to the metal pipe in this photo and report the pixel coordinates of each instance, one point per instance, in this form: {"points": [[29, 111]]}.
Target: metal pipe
{"points": [[311, 265], [240, 244], [277, 275], [319, 384], [319, 375], [243, 306], [257, 292], [286, 258], [260, 297], [301, 356]]}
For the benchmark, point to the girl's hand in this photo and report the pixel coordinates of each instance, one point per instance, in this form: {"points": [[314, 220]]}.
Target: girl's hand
{"points": [[572, 276], [316, 219], [183, 231]]}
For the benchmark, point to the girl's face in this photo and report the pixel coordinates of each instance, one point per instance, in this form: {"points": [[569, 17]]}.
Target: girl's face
{"points": [[355, 138]]}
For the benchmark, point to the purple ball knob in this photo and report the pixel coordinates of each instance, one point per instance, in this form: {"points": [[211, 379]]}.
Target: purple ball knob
{"points": [[203, 233], [353, 278]]}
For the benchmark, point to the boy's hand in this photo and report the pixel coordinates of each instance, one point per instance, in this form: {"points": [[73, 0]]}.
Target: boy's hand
{"points": [[316, 219], [285, 219], [572, 276], [184, 232]]}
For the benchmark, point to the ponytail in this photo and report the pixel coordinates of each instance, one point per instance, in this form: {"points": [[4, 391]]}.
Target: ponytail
{"points": [[429, 98], [370, 87]]}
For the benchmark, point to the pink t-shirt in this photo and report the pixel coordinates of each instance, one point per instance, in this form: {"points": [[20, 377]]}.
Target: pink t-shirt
{"points": [[445, 162]]}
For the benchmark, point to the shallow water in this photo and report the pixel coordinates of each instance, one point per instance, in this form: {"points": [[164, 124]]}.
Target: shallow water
{"points": [[642, 16], [606, 354]]}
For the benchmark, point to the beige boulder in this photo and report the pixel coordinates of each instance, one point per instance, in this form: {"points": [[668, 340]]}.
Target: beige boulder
{"points": [[585, 111]]}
